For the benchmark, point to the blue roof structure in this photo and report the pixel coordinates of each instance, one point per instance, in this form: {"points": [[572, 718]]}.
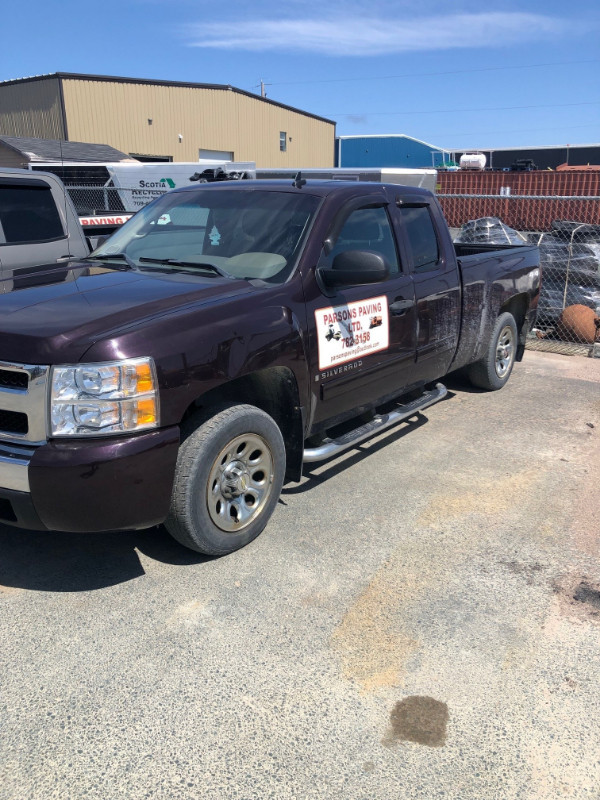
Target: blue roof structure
{"points": [[388, 150]]}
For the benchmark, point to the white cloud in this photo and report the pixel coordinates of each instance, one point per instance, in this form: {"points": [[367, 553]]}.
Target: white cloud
{"points": [[368, 36]]}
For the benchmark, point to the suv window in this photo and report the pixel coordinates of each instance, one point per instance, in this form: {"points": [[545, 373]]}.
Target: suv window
{"points": [[29, 214], [368, 229], [421, 238]]}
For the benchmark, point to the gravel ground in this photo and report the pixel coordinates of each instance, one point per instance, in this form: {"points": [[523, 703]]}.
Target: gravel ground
{"points": [[421, 619]]}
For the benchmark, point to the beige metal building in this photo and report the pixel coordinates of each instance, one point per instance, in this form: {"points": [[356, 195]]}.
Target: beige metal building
{"points": [[165, 120]]}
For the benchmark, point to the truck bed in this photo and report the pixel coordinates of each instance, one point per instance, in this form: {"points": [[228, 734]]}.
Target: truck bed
{"points": [[484, 270], [464, 251]]}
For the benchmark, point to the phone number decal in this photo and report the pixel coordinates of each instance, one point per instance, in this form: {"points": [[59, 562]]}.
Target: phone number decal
{"points": [[352, 331]]}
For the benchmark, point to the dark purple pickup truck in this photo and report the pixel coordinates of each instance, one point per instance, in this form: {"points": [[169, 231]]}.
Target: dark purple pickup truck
{"points": [[229, 333]]}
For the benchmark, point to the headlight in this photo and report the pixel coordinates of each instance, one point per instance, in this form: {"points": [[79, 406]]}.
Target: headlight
{"points": [[104, 398]]}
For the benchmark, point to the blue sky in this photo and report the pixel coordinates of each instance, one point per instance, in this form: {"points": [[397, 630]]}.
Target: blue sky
{"points": [[460, 74]]}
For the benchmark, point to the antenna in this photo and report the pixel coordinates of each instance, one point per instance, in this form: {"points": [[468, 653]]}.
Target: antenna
{"points": [[62, 163], [299, 181]]}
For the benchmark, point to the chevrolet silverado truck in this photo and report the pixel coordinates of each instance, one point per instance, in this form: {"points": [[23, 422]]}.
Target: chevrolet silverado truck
{"points": [[230, 333]]}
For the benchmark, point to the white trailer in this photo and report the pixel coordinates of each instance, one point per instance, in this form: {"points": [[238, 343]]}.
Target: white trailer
{"points": [[423, 178]]}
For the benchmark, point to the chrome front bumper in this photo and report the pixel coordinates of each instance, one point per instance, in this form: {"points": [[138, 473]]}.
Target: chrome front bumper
{"points": [[23, 403], [14, 467]]}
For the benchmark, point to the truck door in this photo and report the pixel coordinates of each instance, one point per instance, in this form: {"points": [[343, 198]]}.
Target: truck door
{"points": [[362, 338], [436, 281]]}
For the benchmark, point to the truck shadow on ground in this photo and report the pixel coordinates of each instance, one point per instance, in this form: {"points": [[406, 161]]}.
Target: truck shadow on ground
{"points": [[329, 469], [80, 562], [461, 383]]}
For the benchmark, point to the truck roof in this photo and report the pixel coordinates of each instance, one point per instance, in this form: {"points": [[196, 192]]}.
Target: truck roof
{"points": [[320, 188], [27, 174]]}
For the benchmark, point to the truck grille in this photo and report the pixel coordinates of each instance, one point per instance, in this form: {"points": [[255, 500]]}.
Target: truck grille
{"points": [[13, 380], [23, 402], [13, 422]]}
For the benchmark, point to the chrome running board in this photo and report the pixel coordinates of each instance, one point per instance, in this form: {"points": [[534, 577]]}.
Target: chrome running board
{"points": [[330, 447]]}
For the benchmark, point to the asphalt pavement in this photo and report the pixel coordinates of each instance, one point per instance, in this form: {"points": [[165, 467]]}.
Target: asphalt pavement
{"points": [[420, 619]]}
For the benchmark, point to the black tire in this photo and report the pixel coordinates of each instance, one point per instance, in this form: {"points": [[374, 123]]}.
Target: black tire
{"points": [[493, 371], [228, 479]]}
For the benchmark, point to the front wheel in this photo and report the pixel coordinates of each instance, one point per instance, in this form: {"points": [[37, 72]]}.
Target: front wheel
{"points": [[228, 478], [494, 369]]}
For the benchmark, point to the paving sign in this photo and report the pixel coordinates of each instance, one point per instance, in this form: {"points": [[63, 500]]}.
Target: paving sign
{"points": [[352, 331], [116, 219]]}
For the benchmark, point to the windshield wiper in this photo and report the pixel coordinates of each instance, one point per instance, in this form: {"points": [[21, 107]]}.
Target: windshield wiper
{"points": [[120, 256], [175, 262]]}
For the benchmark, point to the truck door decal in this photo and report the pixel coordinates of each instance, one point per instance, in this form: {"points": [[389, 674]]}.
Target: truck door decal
{"points": [[351, 331]]}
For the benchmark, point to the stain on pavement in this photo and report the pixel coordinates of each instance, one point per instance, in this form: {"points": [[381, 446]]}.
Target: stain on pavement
{"points": [[489, 498], [419, 719], [369, 640], [578, 597], [527, 571]]}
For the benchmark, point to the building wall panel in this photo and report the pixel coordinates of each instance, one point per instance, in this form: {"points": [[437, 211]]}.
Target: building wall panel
{"points": [[118, 113], [32, 109], [10, 157]]}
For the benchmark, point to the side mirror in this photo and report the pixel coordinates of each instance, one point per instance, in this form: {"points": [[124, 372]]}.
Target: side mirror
{"points": [[354, 267]]}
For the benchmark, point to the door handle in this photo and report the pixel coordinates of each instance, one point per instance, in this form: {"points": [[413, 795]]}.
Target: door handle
{"points": [[63, 258], [400, 306]]}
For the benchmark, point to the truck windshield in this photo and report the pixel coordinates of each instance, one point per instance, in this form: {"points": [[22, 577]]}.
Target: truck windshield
{"points": [[245, 234]]}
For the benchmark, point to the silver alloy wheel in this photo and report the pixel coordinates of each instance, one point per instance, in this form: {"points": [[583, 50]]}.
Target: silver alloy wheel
{"points": [[240, 482], [505, 351]]}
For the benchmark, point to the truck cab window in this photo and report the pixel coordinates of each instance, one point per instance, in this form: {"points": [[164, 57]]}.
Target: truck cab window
{"points": [[251, 235], [29, 214], [368, 229], [421, 238]]}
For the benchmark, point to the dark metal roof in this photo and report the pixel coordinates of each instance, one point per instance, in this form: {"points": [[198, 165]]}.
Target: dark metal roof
{"points": [[546, 157], [149, 82], [55, 150]]}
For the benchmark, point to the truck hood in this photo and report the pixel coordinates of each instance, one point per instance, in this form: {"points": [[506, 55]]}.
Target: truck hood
{"points": [[53, 315]]}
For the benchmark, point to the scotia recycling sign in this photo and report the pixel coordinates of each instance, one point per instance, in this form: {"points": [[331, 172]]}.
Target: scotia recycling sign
{"points": [[138, 184]]}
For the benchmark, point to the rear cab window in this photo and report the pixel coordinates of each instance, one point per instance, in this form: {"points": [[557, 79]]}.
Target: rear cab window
{"points": [[420, 238]]}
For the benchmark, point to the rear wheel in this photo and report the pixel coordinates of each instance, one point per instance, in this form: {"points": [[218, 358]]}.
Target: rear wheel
{"points": [[228, 478], [493, 371]]}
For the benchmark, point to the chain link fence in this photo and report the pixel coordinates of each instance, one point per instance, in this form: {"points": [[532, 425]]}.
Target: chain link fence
{"points": [[567, 231], [103, 199]]}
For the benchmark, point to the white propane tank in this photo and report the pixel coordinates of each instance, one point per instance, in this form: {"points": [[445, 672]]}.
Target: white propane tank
{"points": [[472, 161]]}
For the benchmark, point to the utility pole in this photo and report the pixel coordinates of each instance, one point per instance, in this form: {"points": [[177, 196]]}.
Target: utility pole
{"points": [[263, 92]]}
